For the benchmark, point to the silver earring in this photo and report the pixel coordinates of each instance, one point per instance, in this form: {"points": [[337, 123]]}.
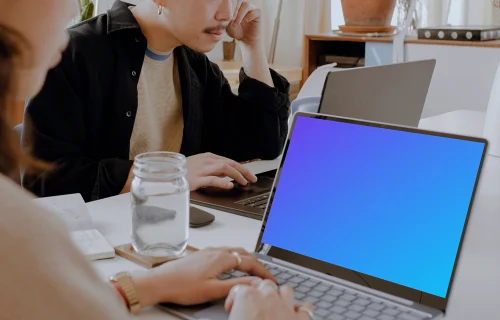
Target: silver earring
{"points": [[160, 10]]}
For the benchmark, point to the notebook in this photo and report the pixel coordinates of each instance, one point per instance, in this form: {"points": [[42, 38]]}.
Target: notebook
{"points": [[71, 209]]}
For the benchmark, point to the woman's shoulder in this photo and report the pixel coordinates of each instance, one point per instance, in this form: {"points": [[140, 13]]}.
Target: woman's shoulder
{"points": [[21, 215]]}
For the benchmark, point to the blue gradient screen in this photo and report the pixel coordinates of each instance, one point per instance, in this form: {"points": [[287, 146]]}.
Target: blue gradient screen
{"points": [[389, 204]]}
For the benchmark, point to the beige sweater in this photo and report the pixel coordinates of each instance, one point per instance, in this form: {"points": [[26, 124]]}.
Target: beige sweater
{"points": [[159, 121], [42, 275]]}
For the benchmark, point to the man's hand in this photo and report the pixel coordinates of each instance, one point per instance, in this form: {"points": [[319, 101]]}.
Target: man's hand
{"points": [[128, 183], [209, 170], [246, 25]]}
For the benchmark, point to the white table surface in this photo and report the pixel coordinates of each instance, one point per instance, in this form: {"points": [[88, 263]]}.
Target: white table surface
{"points": [[476, 289]]}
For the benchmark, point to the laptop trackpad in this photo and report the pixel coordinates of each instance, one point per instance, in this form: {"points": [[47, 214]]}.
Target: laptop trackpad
{"points": [[215, 312]]}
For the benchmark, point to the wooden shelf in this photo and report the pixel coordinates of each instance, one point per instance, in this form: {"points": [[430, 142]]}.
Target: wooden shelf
{"points": [[336, 37], [320, 44]]}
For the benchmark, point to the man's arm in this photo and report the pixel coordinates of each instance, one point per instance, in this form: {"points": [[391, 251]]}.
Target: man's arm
{"points": [[255, 63], [254, 123], [55, 131]]}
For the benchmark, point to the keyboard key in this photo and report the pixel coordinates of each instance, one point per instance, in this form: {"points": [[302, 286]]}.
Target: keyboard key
{"points": [[385, 317], [335, 292], [352, 315], [356, 307], [338, 309], [407, 316], [321, 312], [274, 272], [362, 302], [315, 293], [225, 276], [376, 306], [342, 303], [303, 289], [366, 318], [292, 284], [310, 299], [348, 297], [328, 298], [324, 304], [371, 313], [308, 283], [299, 295], [297, 279], [336, 317], [238, 274], [284, 276], [391, 311], [322, 288]]}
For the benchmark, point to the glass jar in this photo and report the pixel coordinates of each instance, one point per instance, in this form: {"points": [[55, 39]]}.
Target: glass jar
{"points": [[160, 204]]}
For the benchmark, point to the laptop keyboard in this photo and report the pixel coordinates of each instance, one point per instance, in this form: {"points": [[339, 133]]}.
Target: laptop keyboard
{"points": [[334, 302], [257, 202]]}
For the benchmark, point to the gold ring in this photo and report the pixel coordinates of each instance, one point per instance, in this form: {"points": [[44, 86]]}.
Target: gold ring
{"points": [[238, 257], [309, 312]]}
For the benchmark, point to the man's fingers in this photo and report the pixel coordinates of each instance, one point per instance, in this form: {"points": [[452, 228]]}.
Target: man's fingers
{"points": [[252, 15], [241, 13], [237, 9], [238, 166], [212, 181], [244, 171]]}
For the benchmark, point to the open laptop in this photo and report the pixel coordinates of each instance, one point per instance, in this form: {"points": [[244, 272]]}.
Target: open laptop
{"points": [[393, 93], [369, 223]]}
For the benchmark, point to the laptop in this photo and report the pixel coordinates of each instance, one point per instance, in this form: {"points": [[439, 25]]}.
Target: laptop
{"points": [[393, 93], [369, 223]]}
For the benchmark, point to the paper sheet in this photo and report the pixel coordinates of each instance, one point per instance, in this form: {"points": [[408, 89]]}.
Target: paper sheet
{"points": [[71, 209]]}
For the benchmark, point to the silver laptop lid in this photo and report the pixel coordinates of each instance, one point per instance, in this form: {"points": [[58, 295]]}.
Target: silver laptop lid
{"points": [[380, 205], [393, 93]]}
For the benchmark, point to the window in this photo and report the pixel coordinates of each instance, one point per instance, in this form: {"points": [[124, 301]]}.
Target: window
{"points": [[338, 17]]}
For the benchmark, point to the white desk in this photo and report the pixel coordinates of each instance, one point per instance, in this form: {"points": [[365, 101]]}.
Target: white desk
{"points": [[476, 290]]}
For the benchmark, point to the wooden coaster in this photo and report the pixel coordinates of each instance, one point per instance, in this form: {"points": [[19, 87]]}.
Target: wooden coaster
{"points": [[367, 29], [127, 251]]}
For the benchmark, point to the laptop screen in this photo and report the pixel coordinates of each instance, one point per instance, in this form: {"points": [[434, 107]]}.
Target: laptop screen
{"points": [[385, 203]]}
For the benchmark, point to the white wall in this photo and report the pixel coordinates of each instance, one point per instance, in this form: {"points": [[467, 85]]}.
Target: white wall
{"points": [[462, 79]]}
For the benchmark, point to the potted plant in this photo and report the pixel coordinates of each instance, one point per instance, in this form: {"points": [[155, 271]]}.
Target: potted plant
{"points": [[368, 13], [86, 9]]}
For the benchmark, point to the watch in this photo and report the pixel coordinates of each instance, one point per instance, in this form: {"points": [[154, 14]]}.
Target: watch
{"points": [[124, 281]]}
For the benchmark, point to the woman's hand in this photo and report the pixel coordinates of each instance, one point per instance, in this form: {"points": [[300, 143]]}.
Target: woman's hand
{"points": [[263, 300], [194, 279]]}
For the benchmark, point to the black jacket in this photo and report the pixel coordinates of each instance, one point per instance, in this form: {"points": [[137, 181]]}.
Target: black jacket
{"points": [[82, 120]]}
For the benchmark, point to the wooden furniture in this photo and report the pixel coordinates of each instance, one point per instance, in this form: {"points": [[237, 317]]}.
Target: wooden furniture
{"points": [[319, 44], [462, 79], [231, 70]]}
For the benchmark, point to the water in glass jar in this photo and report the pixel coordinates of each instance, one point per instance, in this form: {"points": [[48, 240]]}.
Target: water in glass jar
{"points": [[160, 221]]}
